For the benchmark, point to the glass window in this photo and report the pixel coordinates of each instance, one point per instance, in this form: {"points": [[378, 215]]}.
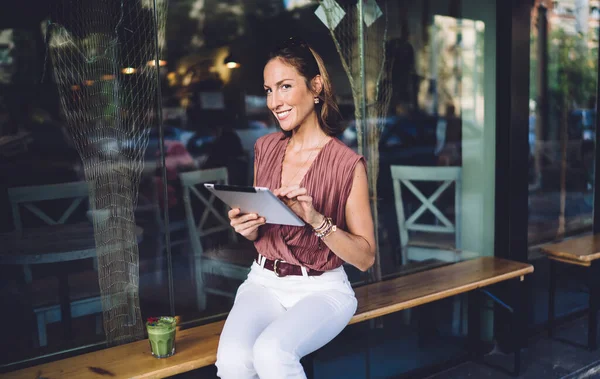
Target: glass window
{"points": [[425, 104], [562, 134], [82, 234], [415, 82], [428, 94], [441, 119], [562, 126]]}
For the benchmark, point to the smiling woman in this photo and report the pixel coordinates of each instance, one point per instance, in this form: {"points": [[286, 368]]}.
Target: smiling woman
{"points": [[291, 101], [298, 280], [300, 71], [438, 60]]}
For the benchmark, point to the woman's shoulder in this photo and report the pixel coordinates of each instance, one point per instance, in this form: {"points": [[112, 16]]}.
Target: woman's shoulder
{"points": [[341, 149], [269, 140]]}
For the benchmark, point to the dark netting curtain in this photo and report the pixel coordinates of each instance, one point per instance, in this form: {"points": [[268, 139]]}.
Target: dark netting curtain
{"points": [[104, 55]]}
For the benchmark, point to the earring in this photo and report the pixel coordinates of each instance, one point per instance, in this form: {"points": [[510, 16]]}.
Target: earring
{"points": [[316, 100]]}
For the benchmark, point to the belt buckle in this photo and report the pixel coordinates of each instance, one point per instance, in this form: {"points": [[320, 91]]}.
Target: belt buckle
{"points": [[275, 266]]}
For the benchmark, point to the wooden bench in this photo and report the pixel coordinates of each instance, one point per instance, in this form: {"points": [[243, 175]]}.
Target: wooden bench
{"points": [[584, 252], [197, 347]]}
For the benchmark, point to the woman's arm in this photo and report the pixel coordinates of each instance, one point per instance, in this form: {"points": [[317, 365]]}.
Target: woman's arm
{"points": [[357, 245]]}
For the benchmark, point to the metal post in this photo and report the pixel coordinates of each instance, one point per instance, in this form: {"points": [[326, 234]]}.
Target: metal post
{"points": [[363, 147], [474, 324], [520, 322], [542, 91], [595, 269], [596, 209], [594, 280], [551, 298], [161, 144]]}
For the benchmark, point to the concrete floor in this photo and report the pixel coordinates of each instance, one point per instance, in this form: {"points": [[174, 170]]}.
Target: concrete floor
{"points": [[545, 358]]}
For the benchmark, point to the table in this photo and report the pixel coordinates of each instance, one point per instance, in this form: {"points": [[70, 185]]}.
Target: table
{"points": [[52, 244], [581, 251]]}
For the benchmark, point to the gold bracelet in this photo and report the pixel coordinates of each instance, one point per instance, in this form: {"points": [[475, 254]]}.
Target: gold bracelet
{"points": [[327, 230], [330, 231], [323, 232], [322, 229], [323, 224]]}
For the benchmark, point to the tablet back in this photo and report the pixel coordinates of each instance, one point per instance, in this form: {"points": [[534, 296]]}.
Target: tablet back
{"points": [[257, 200]]}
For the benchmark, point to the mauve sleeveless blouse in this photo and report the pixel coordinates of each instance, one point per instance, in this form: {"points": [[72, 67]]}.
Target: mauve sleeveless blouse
{"points": [[328, 181]]}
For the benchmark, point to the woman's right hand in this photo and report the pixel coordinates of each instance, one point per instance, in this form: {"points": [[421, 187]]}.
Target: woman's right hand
{"points": [[245, 224]]}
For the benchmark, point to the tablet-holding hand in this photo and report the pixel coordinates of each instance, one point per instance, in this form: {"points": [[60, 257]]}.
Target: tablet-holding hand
{"points": [[245, 224], [298, 200]]}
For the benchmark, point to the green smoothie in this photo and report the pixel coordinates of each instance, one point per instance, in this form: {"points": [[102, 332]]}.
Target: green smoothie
{"points": [[161, 334]]}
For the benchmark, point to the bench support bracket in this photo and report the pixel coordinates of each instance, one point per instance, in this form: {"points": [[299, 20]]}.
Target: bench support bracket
{"points": [[519, 320], [594, 301]]}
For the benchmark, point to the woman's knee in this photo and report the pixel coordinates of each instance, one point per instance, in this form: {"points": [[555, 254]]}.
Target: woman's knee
{"points": [[272, 359], [234, 361]]}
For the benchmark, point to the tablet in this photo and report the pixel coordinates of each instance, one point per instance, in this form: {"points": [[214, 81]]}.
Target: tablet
{"points": [[259, 200]]}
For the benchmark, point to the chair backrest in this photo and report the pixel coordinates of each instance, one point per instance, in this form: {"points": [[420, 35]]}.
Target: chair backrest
{"points": [[27, 196], [447, 175], [189, 181]]}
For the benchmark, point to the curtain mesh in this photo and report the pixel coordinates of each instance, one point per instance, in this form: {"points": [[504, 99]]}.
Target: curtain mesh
{"points": [[103, 54]]}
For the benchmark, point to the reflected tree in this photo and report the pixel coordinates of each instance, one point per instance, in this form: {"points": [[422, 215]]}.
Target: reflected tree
{"points": [[100, 51], [359, 32]]}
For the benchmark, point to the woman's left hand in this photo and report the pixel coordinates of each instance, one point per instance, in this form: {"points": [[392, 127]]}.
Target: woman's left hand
{"points": [[298, 200]]}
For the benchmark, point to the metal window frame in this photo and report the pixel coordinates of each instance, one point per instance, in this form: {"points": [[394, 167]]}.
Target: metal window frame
{"points": [[513, 28]]}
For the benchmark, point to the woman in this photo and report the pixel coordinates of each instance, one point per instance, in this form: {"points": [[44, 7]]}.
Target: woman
{"points": [[297, 296]]}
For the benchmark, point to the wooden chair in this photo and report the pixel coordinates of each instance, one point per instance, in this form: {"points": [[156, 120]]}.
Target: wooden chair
{"points": [[26, 197], [231, 260], [447, 250]]}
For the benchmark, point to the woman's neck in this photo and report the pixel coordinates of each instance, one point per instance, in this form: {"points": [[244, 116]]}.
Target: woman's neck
{"points": [[307, 135]]}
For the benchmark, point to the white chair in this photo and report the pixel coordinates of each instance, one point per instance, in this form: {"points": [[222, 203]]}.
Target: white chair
{"points": [[231, 260], [26, 197], [447, 251], [419, 251]]}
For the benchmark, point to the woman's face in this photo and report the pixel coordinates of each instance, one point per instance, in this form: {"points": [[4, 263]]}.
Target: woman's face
{"points": [[288, 96]]}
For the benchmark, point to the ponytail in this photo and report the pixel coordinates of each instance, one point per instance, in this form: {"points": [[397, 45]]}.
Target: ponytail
{"points": [[328, 111]]}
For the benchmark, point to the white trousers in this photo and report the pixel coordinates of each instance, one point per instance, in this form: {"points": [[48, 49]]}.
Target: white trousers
{"points": [[276, 321]]}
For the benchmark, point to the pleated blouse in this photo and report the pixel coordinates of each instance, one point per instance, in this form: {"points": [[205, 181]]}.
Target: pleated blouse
{"points": [[328, 181]]}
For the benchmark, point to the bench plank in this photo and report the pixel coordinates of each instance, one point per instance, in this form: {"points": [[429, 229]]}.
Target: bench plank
{"points": [[570, 261], [584, 249], [382, 298], [197, 347]]}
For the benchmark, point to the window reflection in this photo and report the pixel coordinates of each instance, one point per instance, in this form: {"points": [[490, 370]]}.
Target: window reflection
{"points": [[562, 120], [428, 88], [434, 69]]}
